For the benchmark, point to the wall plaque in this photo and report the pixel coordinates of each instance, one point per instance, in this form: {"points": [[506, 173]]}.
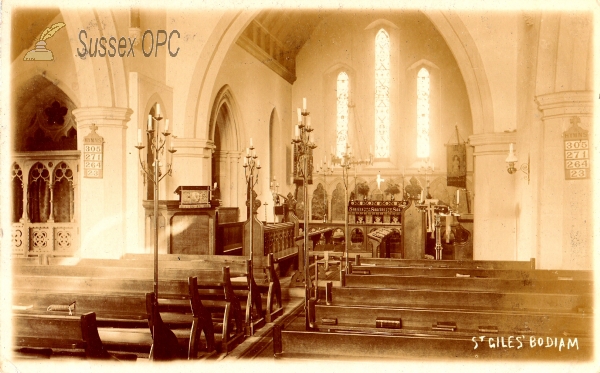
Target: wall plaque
{"points": [[577, 151], [93, 149]]}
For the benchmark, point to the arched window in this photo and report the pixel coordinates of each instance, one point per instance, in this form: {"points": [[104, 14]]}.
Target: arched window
{"points": [[17, 193], [423, 94], [63, 194], [382, 94], [342, 113]]}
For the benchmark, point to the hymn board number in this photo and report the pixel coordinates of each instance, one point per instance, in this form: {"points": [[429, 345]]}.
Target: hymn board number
{"points": [[93, 147], [577, 152]]}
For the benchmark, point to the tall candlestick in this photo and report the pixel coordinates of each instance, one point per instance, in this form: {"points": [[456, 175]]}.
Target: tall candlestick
{"points": [[304, 104], [149, 122], [166, 125], [139, 136]]}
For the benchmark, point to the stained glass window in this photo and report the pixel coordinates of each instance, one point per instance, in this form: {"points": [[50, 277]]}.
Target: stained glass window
{"points": [[342, 113], [382, 94], [423, 89]]}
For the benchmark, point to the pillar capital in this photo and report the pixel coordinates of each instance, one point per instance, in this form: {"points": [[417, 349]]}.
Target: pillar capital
{"points": [[102, 116], [193, 148], [492, 143], [566, 104]]}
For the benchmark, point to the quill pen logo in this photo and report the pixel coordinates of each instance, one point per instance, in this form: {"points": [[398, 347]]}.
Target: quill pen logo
{"points": [[40, 53]]}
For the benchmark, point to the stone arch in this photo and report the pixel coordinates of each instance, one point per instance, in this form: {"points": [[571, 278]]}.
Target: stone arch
{"points": [[102, 82], [467, 56], [201, 88]]}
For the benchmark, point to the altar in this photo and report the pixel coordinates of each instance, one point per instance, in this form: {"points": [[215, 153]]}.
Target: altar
{"points": [[366, 217]]}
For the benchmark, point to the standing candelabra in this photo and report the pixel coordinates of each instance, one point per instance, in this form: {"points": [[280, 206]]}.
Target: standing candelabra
{"points": [[325, 169], [346, 161], [304, 143], [251, 168], [156, 145]]}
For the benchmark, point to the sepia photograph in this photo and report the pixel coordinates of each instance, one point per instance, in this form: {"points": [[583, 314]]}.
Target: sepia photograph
{"points": [[385, 185]]}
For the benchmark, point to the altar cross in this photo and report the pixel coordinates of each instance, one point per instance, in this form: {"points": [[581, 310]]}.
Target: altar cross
{"points": [[379, 180]]}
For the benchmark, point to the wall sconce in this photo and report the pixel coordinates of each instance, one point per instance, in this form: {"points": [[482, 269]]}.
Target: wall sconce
{"points": [[512, 159]]}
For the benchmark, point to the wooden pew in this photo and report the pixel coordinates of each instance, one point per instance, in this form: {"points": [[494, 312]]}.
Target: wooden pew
{"points": [[119, 302], [266, 282], [475, 264], [313, 344], [74, 335], [541, 274], [509, 285]]}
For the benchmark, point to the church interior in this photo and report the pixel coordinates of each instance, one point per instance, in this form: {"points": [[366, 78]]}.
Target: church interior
{"points": [[386, 183]]}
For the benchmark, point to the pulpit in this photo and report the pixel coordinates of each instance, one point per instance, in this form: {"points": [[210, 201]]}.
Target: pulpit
{"points": [[184, 230]]}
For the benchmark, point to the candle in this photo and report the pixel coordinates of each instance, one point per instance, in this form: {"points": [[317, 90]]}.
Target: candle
{"points": [[304, 104], [277, 185], [422, 195], [172, 147], [245, 161], [257, 163], [251, 142], [448, 228], [215, 185], [157, 111], [166, 125], [139, 136], [149, 122], [310, 137], [457, 196], [308, 122], [274, 178], [299, 115], [271, 184], [511, 148], [297, 131]]}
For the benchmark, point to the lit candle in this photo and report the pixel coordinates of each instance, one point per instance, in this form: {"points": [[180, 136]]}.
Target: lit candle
{"points": [[251, 142], [457, 196], [157, 110], [299, 115], [304, 104], [149, 122], [166, 125], [139, 136]]}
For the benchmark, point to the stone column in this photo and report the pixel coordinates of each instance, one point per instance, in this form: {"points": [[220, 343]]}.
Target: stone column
{"points": [[494, 206], [565, 219], [191, 163], [103, 216]]}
